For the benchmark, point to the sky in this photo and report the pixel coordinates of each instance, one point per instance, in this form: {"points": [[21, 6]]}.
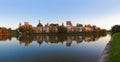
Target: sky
{"points": [[102, 13]]}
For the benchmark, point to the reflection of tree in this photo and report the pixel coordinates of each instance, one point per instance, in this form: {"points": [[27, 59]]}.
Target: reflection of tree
{"points": [[53, 39], [26, 39], [92, 37], [5, 37], [68, 39], [62, 38], [39, 39], [79, 39]]}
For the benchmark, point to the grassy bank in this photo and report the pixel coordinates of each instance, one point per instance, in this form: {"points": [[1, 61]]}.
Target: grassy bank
{"points": [[114, 54]]}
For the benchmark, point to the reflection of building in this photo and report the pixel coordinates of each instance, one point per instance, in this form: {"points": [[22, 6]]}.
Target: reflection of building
{"points": [[5, 37], [88, 38], [50, 39], [79, 39], [69, 41], [27, 43]]}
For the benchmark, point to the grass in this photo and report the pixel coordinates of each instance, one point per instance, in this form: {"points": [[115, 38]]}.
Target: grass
{"points": [[114, 55]]}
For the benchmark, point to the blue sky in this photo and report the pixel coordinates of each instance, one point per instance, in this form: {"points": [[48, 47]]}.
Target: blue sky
{"points": [[103, 13]]}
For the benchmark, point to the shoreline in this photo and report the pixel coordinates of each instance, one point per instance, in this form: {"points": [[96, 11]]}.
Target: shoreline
{"points": [[105, 53]]}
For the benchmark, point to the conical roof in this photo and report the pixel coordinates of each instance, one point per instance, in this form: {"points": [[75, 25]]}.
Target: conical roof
{"points": [[39, 24]]}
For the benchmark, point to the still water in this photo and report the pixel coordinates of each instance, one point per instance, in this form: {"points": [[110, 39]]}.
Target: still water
{"points": [[52, 48]]}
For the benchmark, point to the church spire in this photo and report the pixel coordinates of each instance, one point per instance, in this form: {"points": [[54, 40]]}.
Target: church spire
{"points": [[39, 24], [39, 21]]}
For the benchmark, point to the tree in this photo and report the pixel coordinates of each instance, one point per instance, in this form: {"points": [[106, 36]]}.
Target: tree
{"points": [[79, 25], [115, 29], [26, 29], [103, 30], [21, 29], [62, 29]]}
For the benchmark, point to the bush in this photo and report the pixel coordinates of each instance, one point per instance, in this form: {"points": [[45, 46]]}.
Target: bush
{"points": [[115, 29]]}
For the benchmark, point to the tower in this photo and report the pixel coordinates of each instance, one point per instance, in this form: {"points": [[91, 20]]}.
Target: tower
{"points": [[68, 23], [39, 24], [20, 24], [26, 24]]}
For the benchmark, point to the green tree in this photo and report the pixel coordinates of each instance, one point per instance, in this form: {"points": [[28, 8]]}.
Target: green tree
{"points": [[62, 29], [26, 29], [21, 29], [115, 29]]}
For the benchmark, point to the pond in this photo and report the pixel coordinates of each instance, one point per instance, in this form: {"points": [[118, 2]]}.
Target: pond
{"points": [[53, 48]]}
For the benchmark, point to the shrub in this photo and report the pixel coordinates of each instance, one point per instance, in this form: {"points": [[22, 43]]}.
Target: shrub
{"points": [[115, 29]]}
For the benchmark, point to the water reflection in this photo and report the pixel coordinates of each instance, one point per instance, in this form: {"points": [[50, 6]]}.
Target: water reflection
{"points": [[12, 51], [5, 37], [68, 39]]}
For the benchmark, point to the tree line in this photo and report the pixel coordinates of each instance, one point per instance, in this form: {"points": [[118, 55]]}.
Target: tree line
{"points": [[115, 29]]}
